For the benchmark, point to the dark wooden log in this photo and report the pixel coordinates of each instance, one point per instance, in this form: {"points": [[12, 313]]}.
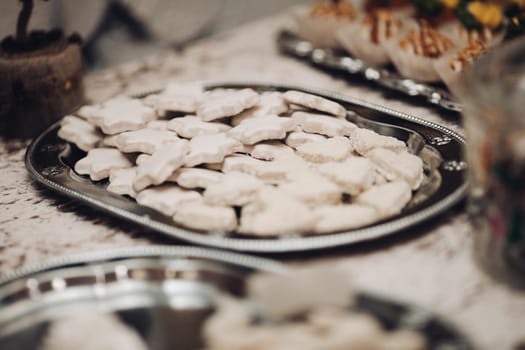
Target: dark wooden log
{"points": [[38, 88]]}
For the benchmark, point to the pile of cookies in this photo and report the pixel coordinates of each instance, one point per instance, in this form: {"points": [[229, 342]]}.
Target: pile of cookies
{"points": [[234, 160]]}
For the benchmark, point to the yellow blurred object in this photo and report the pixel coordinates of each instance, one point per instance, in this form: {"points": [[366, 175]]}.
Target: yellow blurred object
{"points": [[450, 4], [489, 15]]}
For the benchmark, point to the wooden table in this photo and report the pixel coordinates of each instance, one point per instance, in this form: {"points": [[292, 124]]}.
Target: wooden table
{"points": [[430, 265]]}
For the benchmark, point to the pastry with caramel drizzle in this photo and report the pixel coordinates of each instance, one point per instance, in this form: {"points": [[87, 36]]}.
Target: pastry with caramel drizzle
{"points": [[364, 38], [333, 9], [319, 23], [415, 53], [426, 41]]}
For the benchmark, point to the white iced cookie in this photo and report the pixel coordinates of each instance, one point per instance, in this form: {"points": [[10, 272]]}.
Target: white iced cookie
{"points": [[388, 199], [334, 149], [195, 177], [122, 114], [270, 150], [365, 140], [270, 103], [234, 189], [141, 158], [191, 126], [110, 141], [100, 161], [79, 132], [315, 102], [241, 163], [201, 216], [298, 138], [89, 112], [165, 102], [353, 175], [323, 124], [144, 140], [313, 188], [161, 165], [167, 199], [402, 340], [271, 127], [273, 212], [211, 149], [158, 125], [402, 166], [274, 171], [218, 104], [343, 217], [121, 181]]}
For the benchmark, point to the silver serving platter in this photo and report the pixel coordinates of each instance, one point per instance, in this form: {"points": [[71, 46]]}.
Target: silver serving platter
{"points": [[165, 294], [340, 61], [49, 161]]}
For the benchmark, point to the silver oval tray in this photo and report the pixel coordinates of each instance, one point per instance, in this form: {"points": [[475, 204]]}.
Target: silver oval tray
{"points": [[165, 294], [388, 79], [49, 161]]}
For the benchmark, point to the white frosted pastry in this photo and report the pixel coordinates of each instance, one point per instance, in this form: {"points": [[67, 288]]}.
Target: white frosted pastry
{"points": [[167, 198], [195, 177], [157, 125], [343, 217], [234, 189], [240, 163], [144, 140], [121, 181], [398, 166], [110, 141], [270, 103], [313, 189], [167, 102], [315, 102], [388, 199], [353, 175], [79, 132], [191, 126], [219, 104], [201, 216], [365, 140], [270, 150], [298, 138], [121, 114], [273, 212], [323, 124], [211, 149], [100, 161], [334, 149], [271, 127], [161, 165]]}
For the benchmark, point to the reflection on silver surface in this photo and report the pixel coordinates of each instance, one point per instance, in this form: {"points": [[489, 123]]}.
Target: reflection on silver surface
{"points": [[163, 293], [159, 295], [440, 190]]}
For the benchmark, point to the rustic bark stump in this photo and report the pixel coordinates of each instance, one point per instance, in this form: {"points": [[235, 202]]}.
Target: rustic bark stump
{"points": [[39, 83]]}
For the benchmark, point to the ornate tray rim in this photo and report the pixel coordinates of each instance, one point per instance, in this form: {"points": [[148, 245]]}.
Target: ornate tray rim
{"points": [[387, 79], [407, 315], [146, 217]]}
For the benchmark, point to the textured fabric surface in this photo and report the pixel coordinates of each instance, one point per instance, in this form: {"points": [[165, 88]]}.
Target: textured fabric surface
{"points": [[430, 265]]}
